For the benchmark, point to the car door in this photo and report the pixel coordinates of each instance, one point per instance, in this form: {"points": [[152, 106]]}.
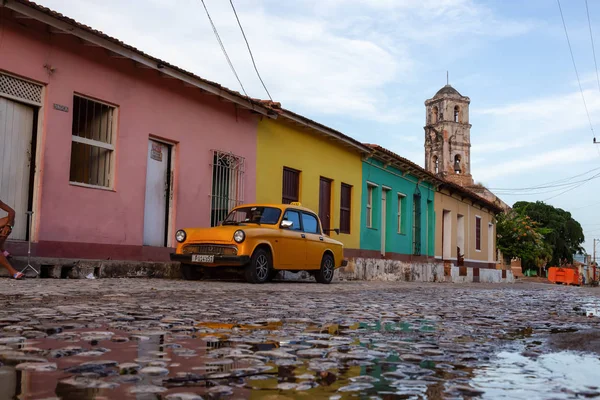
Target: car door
{"points": [[292, 243], [315, 241]]}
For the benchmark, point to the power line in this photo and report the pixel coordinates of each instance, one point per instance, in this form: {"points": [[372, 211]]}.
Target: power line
{"points": [[223, 48], [249, 50], [574, 187], [592, 39], [575, 66], [594, 53], [551, 184], [589, 205]]}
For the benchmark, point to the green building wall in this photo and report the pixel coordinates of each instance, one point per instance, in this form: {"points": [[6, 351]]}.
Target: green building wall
{"points": [[375, 173]]}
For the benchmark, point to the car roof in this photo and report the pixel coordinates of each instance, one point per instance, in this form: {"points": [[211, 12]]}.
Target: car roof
{"points": [[280, 206]]}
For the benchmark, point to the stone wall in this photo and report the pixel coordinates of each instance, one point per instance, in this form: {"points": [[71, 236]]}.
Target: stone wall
{"points": [[370, 269]]}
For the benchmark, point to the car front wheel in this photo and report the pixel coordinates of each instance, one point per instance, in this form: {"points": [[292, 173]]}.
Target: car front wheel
{"points": [[325, 274], [259, 268]]}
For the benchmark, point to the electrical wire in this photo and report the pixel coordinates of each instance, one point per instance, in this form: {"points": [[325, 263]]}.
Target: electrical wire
{"points": [[249, 50], [223, 48], [575, 67], [574, 187], [552, 184], [592, 39], [589, 205]]}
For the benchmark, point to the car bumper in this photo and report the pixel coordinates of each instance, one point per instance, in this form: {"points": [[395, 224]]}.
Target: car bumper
{"points": [[219, 260]]}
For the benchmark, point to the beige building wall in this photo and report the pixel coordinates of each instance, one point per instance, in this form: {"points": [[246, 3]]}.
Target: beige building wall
{"points": [[456, 226]]}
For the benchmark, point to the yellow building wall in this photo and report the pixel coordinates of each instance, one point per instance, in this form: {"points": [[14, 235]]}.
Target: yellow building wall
{"points": [[281, 144], [444, 202]]}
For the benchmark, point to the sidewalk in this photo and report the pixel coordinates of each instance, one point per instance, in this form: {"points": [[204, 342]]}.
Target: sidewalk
{"points": [[79, 269]]}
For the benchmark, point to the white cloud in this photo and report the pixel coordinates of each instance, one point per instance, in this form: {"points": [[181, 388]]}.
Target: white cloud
{"points": [[535, 122], [535, 161], [327, 57]]}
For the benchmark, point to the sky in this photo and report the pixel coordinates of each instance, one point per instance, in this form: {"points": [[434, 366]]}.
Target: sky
{"points": [[366, 67]]}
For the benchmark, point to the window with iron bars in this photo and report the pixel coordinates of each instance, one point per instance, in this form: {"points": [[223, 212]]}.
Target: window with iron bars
{"points": [[227, 185], [92, 146]]}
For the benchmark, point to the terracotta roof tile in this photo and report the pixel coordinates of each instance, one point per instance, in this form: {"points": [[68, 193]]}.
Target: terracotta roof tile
{"points": [[436, 179]]}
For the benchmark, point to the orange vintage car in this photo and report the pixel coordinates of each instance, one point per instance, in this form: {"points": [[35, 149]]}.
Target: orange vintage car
{"points": [[263, 239]]}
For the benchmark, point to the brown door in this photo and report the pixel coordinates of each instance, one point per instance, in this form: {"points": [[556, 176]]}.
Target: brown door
{"points": [[325, 204]]}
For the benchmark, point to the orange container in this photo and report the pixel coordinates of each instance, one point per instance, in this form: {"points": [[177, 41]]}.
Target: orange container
{"points": [[566, 276]]}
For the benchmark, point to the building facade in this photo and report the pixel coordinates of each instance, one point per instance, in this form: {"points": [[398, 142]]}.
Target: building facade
{"points": [[466, 235], [112, 149], [398, 218], [299, 160]]}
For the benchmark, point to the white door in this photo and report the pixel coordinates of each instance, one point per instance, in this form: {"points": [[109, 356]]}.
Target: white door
{"points": [[16, 129], [383, 219], [157, 195]]}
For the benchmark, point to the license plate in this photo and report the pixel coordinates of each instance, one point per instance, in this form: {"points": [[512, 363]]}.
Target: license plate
{"points": [[203, 258]]}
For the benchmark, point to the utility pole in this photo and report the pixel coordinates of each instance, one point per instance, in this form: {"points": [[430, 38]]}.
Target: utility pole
{"points": [[595, 265]]}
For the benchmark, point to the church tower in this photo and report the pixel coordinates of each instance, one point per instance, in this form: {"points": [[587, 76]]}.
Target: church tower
{"points": [[448, 136]]}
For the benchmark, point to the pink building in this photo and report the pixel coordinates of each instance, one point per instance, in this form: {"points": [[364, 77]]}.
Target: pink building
{"points": [[112, 149]]}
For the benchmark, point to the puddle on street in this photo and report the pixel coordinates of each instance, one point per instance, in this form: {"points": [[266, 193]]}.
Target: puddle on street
{"points": [[561, 375], [381, 350], [177, 358]]}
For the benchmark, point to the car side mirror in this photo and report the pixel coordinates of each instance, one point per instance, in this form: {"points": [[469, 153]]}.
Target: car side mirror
{"points": [[287, 224]]}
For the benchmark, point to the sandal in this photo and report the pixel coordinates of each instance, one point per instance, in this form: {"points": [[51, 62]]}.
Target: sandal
{"points": [[18, 275]]}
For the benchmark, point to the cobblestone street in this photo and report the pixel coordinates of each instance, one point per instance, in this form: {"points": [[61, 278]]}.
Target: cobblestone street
{"points": [[161, 339]]}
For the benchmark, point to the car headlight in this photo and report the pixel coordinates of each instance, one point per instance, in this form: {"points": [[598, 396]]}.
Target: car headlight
{"points": [[180, 236], [239, 236]]}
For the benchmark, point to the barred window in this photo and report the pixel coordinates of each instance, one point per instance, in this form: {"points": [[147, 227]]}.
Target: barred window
{"points": [[227, 185], [92, 146]]}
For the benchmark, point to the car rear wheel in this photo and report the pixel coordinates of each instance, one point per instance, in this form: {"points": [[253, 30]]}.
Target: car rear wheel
{"points": [[325, 274], [191, 272], [259, 268]]}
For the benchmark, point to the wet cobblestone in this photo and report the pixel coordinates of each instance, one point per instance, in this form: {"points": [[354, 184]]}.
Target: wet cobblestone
{"points": [[158, 339]]}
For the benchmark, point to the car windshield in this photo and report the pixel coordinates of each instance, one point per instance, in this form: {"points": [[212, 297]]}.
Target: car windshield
{"points": [[253, 215]]}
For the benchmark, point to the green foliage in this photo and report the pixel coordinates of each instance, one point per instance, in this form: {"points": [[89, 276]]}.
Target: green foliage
{"points": [[563, 235], [521, 237]]}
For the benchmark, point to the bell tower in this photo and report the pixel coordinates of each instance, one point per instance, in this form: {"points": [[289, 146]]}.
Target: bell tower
{"points": [[448, 136]]}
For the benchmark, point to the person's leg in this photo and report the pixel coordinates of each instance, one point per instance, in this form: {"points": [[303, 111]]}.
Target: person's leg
{"points": [[3, 261], [3, 221]]}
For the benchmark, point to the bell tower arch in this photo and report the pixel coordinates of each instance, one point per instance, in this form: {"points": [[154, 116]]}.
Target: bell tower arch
{"points": [[448, 136]]}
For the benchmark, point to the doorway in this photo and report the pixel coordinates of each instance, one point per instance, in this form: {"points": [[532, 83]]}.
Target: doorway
{"points": [[460, 238], [325, 204], [17, 161], [158, 194], [446, 235]]}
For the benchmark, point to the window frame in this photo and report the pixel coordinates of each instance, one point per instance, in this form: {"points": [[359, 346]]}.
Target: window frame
{"points": [[319, 232], [284, 198], [234, 178], [369, 204], [347, 210], [477, 233], [299, 212], [400, 213], [112, 131]]}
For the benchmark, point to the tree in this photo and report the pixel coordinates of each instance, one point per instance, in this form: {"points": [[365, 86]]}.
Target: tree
{"points": [[563, 235], [521, 237]]}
